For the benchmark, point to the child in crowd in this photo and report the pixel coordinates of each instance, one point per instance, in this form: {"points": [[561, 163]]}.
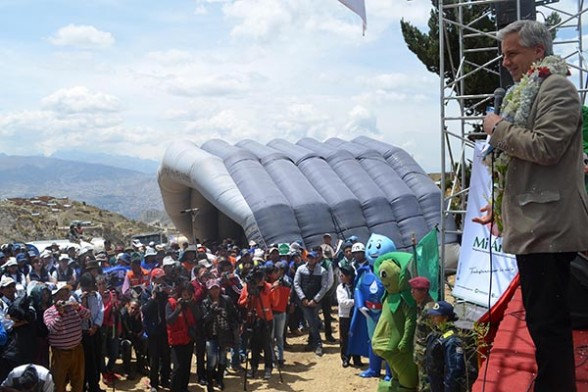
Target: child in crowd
{"points": [[346, 302]]}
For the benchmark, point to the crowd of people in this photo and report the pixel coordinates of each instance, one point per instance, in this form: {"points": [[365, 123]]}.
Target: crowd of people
{"points": [[69, 314], [77, 310]]}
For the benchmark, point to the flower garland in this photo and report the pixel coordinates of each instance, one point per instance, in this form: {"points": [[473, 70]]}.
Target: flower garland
{"points": [[516, 109]]}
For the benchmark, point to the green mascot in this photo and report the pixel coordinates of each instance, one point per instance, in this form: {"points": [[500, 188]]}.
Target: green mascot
{"points": [[394, 333]]}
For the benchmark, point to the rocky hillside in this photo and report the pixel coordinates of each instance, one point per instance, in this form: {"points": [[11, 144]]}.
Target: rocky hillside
{"points": [[48, 218]]}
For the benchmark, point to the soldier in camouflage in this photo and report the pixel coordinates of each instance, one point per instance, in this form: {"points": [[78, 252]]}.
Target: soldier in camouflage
{"points": [[419, 288]]}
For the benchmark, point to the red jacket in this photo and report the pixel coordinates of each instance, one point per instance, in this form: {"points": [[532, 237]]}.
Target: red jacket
{"points": [[178, 333], [264, 303], [281, 296], [199, 290]]}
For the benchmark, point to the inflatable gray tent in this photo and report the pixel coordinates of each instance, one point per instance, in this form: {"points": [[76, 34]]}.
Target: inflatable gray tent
{"points": [[283, 192]]}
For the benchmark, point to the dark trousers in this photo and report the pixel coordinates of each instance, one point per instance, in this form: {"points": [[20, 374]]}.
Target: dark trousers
{"points": [[344, 324], [260, 341], [295, 319], [158, 360], [139, 344], [182, 360], [326, 303], [544, 284], [200, 355], [92, 360]]}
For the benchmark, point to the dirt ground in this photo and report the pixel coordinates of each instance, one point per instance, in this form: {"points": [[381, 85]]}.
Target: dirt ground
{"points": [[303, 371]]}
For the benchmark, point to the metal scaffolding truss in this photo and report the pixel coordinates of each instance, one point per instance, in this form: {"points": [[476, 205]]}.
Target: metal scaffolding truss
{"points": [[459, 124]]}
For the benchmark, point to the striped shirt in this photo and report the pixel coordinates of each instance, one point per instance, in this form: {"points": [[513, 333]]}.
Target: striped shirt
{"points": [[65, 330]]}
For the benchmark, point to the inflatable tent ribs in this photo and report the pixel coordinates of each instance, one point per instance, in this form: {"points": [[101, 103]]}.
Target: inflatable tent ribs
{"points": [[284, 192]]}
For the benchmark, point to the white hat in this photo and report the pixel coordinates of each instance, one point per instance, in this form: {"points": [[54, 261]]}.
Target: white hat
{"points": [[159, 248], [205, 263], [6, 281], [46, 253], [150, 252], [358, 247], [60, 286], [64, 257], [168, 260], [252, 243], [11, 261], [85, 250]]}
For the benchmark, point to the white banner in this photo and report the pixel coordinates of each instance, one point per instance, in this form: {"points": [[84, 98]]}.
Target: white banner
{"points": [[472, 281]]}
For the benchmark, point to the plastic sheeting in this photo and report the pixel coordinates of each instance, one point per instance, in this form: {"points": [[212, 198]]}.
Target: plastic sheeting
{"points": [[283, 192]]}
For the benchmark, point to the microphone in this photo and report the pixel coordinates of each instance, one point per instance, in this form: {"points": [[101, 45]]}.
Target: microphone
{"points": [[189, 210], [499, 94]]}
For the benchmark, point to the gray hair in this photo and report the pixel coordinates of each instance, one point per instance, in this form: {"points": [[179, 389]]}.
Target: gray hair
{"points": [[531, 33]]}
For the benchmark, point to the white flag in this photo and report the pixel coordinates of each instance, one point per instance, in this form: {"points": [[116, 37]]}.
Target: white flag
{"points": [[357, 6]]}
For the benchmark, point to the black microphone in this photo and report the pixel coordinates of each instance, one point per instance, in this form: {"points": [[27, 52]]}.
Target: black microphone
{"points": [[499, 94]]}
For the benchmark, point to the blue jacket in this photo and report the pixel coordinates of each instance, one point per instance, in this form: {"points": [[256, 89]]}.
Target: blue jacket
{"points": [[445, 362]]}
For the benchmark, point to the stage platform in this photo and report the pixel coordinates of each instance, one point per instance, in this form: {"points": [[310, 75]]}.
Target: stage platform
{"points": [[512, 361]]}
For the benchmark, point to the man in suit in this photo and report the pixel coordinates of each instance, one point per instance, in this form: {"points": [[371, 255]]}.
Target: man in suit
{"points": [[544, 208]]}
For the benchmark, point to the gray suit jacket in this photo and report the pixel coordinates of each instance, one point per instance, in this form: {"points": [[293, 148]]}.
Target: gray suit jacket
{"points": [[545, 208]]}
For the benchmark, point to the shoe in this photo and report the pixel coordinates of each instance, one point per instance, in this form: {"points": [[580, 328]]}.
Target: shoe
{"points": [[251, 374], [202, 381], [319, 351], [331, 339], [345, 363], [357, 362], [267, 374]]}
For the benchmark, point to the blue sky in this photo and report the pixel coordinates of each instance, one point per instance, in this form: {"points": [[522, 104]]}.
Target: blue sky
{"points": [[128, 77]]}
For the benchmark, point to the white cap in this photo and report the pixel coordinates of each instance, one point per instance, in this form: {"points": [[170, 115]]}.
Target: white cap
{"points": [[168, 260], [63, 257], [205, 263], [46, 253], [59, 286], [358, 247], [11, 261], [150, 252], [6, 281]]}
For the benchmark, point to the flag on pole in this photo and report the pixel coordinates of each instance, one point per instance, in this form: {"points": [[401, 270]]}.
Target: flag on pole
{"points": [[357, 6]]}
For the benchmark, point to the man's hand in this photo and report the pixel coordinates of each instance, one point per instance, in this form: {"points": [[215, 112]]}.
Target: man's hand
{"points": [[304, 302], [485, 219], [75, 305], [311, 303], [490, 121], [92, 330]]}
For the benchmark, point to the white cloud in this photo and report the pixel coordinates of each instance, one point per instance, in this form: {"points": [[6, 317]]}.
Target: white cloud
{"points": [[82, 36], [80, 99]]}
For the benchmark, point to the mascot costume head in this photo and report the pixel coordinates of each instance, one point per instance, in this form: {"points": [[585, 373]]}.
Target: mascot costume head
{"points": [[378, 245]]}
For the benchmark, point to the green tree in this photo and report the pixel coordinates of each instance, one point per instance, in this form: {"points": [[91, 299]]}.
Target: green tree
{"points": [[426, 47]]}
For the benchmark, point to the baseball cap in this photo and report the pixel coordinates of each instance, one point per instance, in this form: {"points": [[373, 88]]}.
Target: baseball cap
{"points": [[313, 254], [212, 283], [358, 247], [21, 257], [157, 273], [60, 286], [442, 308], [168, 260], [6, 281], [150, 252], [11, 261]]}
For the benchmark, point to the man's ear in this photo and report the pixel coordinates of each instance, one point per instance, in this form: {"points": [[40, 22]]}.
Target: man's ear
{"points": [[540, 51]]}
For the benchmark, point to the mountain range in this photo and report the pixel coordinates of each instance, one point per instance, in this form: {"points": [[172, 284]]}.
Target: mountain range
{"points": [[132, 193]]}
